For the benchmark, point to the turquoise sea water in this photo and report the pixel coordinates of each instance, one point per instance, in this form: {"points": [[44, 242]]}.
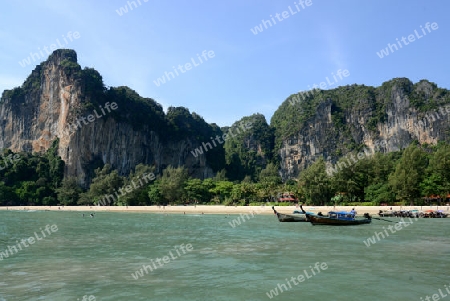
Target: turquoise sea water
{"points": [[96, 257]]}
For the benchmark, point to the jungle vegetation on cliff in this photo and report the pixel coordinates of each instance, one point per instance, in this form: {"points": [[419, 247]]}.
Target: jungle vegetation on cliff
{"points": [[415, 175]]}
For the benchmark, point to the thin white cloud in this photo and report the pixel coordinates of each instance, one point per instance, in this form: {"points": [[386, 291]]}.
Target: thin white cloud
{"points": [[335, 49]]}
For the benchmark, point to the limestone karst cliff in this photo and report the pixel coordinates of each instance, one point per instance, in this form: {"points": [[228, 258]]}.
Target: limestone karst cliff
{"points": [[61, 100], [332, 123], [96, 125]]}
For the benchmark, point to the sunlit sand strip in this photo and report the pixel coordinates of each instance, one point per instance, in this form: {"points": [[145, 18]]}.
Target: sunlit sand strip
{"points": [[220, 209]]}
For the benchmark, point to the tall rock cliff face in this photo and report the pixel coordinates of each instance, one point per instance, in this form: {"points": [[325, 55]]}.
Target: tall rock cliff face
{"points": [[96, 125], [332, 123], [58, 95]]}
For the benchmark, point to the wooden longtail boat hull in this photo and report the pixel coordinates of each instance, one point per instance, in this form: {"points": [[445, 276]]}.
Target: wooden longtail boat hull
{"points": [[291, 218], [337, 218], [324, 220]]}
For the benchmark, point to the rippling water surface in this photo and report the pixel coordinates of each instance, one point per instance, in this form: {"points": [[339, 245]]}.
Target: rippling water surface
{"points": [[97, 256]]}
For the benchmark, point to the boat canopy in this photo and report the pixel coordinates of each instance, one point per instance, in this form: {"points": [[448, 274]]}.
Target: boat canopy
{"points": [[344, 215], [341, 212]]}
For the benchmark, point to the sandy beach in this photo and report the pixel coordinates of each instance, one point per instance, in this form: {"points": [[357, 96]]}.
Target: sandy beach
{"points": [[220, 209]]}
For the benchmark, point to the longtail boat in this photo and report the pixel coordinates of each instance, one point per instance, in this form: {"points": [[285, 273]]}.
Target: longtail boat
{"points": [[297, 216], [337, 218]]}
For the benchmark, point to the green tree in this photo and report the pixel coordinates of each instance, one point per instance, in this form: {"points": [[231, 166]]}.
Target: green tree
{"points": [[269, 181], [29, 178], [104, 189], [138, 182], [7, 196], [55, 164], [196, 191], [316, 184], [352, 178], [378, 189], [172, 184], [382, 165], [27, 193], [69, 192], [408, 174], [221, 191], [154, 193], [379, 193], [439, 169], [245, 192], [432, 185]]}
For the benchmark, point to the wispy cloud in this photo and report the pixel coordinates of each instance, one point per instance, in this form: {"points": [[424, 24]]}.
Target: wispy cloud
{"points": [[335, 50]]}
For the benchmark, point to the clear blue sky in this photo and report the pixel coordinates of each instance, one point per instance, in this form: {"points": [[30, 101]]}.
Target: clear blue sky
{"points": [[249, 73]]}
